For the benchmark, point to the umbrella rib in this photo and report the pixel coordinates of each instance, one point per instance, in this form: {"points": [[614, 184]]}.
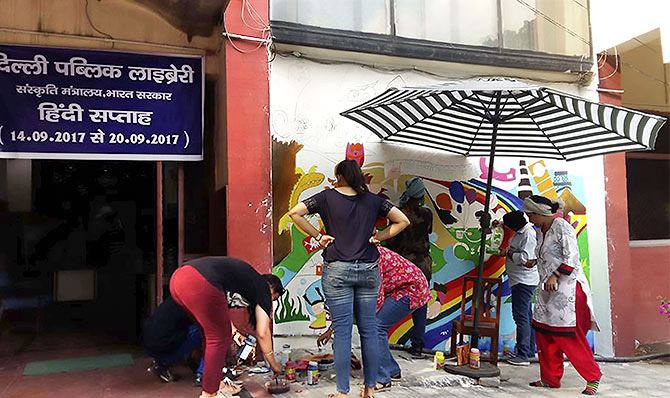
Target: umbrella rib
{"points": [[519, 112], [597, 124], [453, 104], [466, 110], [486, 107], [538, 126], [474, 137]]}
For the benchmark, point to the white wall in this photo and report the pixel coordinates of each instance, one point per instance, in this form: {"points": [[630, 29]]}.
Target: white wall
{"points": [[306, 98]]}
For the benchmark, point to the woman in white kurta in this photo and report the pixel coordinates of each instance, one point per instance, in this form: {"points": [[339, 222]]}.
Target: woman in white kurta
{"points": [[563, 309]]}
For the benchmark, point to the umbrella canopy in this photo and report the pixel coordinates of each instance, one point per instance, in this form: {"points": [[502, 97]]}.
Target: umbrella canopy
{"points": [[534, 121], [506, 118]]}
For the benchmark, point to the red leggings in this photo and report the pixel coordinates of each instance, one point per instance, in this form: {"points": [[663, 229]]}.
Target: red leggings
{"points": [[209, 306], [551, 348]]}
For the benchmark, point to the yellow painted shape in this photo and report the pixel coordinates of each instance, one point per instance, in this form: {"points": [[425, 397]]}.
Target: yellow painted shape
{"points": [[543, 183], [307, 180], [581, 222]]}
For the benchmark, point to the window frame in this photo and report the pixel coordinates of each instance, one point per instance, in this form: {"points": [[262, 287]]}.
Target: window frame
{"points": [[392, 45]]}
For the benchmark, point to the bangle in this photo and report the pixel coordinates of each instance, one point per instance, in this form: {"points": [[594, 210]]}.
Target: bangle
{"points": [[557, 274], [269, 353], [319, 236]]}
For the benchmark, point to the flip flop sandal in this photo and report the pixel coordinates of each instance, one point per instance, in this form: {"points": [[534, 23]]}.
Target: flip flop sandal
{"points": [[362, 391], [229, 382], [230, 389], [382, 387]]}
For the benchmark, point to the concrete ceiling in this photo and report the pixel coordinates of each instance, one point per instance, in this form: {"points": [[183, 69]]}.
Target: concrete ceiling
{"points": [[193, 17]]}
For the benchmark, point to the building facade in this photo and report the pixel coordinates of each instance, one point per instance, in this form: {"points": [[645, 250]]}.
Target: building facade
{"points": [[329, 59]]}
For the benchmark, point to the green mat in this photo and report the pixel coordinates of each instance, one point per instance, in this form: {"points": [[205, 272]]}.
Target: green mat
{"points": [[77, 364]]}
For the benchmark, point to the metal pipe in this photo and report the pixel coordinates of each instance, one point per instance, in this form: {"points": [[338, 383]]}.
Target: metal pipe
{"points": [[247, 38], [484, 222]]}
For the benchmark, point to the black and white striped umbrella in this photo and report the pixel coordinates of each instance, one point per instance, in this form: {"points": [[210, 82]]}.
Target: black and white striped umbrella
{"points": [[502, 117], [533, 121]]}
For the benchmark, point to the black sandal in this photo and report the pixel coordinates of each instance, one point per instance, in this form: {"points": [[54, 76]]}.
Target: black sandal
{"points": [[379, 387]]}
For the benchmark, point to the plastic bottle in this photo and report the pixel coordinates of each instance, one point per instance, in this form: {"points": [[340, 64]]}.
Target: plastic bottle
{"points": [[505, 348], [312, 373], [286, 354], [438, 361], [474, 358], [246, 348], [290, 371]]}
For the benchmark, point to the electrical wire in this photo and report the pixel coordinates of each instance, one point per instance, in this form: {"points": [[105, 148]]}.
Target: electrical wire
{"points": [[580, 79], [616, 66], [580, 4], [88, 17], [553, 21], [643, 73], [262, 26]]}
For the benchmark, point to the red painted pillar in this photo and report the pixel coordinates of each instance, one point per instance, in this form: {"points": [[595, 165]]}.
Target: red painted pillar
{"points": [[618, 239], [249, 201]]}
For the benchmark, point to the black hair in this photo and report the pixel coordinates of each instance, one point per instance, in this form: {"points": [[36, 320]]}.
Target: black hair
{"points": [[352, 174], [414, 203], [275, 282], [545, 201], [515, 220]]}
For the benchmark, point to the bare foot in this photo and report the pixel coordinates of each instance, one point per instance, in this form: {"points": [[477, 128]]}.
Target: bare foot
{"points": [[338, 395], [367, 392]]}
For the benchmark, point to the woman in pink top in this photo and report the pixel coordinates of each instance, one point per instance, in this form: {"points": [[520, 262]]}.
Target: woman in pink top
{"points": [[404, 289]]}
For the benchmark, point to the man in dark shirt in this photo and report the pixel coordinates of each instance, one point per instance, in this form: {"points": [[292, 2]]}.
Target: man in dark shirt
{"points": [[413, 243], [169, 336]]}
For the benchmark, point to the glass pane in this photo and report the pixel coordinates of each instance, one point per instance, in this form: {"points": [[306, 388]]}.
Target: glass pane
{"points": [[357, 15], [550, 26], [646, 192], [448, 21]]}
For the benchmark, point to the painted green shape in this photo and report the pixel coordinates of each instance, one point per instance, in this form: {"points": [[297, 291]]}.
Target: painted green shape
{"points": [[437, 255], [288, 311], [583, 244], [468, 239], [298, 256], [77, 364], [279, 272]]}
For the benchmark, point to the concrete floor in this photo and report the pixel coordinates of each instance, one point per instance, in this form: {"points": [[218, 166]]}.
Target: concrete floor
{"points": [[641, 379]]}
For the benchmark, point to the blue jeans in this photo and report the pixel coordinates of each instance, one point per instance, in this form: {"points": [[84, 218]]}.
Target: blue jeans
{"points": [[193, 341], [391, 313], [522, 312], [352, 289], [419, 330]]}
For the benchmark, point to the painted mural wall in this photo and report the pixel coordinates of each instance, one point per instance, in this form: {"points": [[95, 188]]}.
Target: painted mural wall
{"points": [[310, 138]]}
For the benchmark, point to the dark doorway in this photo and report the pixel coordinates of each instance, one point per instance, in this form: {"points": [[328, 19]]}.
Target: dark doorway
{"points": [[85, 247]]}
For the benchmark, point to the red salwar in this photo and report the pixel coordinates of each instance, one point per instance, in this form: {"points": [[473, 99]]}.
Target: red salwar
{"points": [[209, 306], [552, 347]]}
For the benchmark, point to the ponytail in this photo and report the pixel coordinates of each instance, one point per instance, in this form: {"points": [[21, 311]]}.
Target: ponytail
{"points": [[352, 174]]}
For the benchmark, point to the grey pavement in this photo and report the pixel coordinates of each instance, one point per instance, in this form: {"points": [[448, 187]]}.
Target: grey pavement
{"points": [[638, 379]]}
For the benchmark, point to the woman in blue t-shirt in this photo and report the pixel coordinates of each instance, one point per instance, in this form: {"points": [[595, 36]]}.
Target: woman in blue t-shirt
{"points": [[351, 277]]}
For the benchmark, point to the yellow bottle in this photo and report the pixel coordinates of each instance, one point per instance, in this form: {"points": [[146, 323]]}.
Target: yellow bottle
{"points": [[439, 360]]}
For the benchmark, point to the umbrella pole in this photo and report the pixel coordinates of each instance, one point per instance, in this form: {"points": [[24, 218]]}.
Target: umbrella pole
{"points": [[485, 223]]}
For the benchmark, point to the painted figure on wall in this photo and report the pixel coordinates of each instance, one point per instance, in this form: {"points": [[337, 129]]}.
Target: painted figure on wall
{"points": [[454, 241]]}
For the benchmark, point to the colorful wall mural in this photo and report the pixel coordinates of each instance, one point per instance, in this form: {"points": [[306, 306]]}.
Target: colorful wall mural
{"points": [[454, 241]]}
